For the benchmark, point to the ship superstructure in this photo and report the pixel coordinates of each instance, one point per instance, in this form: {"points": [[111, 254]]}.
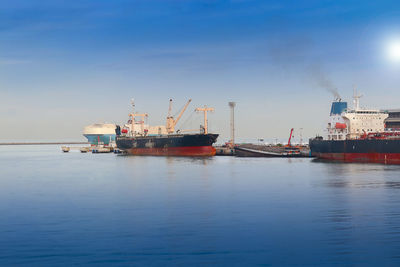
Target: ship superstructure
{"points": [[353, 123], [357, 135]]}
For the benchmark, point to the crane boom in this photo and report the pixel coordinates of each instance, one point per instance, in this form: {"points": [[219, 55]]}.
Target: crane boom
{"points": [[182, 111], [171, 122], [290, 138]]}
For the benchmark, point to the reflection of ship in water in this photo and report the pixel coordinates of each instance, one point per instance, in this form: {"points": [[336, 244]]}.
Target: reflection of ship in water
{"points": [[138, 138], [357, 135]]}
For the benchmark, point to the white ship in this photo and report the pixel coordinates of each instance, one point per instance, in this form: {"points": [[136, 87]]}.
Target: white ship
{"points": [[354, 123], [100, 133]]}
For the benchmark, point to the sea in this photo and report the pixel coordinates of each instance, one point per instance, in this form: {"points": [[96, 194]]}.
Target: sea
{"points": [[82, 209]]}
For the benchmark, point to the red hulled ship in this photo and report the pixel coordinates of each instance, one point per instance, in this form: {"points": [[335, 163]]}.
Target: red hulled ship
{"points": [[357, 135], [138, 138]]}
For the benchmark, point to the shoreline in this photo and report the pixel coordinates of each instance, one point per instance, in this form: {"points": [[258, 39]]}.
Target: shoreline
{"points": [[41, 143]]}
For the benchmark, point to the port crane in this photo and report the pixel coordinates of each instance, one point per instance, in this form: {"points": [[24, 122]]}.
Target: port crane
{"points": [[171, 122], [289, 144]]}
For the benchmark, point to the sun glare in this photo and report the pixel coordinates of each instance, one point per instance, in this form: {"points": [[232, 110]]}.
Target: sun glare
{"points": [[393, 50]]}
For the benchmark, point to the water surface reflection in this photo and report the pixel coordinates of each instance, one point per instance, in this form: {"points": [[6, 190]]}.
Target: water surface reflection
{"points": [[121, 210]]}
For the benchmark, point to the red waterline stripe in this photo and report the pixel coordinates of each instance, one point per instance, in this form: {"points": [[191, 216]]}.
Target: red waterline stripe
{"points": [[385, 158]]}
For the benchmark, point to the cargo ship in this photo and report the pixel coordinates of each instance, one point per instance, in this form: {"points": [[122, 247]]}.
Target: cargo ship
{"points": [[357, 135], [100, 133], [138, 138]]}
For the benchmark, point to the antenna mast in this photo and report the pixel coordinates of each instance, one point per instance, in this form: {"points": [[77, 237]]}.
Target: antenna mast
{"points": [[133, 105], [356, 99], [133, 115]]}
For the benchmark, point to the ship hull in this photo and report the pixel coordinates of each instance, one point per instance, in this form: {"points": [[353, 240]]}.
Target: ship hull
{"points": [[194, 145], [95, 139], [363, 150]]}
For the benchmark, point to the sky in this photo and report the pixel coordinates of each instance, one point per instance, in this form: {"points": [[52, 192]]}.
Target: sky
{"points": [[66, 64]]}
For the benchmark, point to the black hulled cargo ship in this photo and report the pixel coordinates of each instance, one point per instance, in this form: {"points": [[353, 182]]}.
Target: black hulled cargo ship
{"points": [[138, 138], [169, 145], [357, 135], [372, 149]]}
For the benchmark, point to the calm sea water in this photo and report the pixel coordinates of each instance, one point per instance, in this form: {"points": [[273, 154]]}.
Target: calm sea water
{"points": [[102, 209]]}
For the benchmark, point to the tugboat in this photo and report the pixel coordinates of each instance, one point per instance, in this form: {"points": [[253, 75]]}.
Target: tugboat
{"points": [[357, 135], [138, 138]]}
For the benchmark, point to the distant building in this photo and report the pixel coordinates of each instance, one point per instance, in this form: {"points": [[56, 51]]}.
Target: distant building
{"points": [[393, 121]]}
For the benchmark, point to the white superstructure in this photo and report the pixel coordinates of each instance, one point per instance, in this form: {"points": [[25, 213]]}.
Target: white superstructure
{"points": [[353, 123], [99, 128]]}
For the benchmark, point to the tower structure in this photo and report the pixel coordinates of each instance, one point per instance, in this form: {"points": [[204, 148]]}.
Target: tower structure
{"points": [[232, 140]]}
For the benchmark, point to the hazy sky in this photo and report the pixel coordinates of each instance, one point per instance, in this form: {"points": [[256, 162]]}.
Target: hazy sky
{"points": [[67, 64]]}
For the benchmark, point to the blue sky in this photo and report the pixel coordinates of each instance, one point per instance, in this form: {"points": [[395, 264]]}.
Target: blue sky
{"points": [[66, 64]]}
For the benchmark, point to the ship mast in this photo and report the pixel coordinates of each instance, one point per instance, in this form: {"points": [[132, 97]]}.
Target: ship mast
{"points": [[356, 99], [133, 115], [205, 109]]}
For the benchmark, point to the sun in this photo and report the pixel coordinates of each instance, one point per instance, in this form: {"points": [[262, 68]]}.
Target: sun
{"points": [[393, 50]]}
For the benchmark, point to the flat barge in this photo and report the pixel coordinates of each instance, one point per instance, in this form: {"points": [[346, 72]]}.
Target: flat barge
{"points": [[250, 150]]}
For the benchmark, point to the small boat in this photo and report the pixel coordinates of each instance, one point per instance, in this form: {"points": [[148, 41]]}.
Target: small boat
{"points": [[65, 149], [84, 149], [102, 149]]}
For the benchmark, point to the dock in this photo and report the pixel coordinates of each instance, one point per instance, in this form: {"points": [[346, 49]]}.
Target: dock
{"points": [[92, 149]]}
